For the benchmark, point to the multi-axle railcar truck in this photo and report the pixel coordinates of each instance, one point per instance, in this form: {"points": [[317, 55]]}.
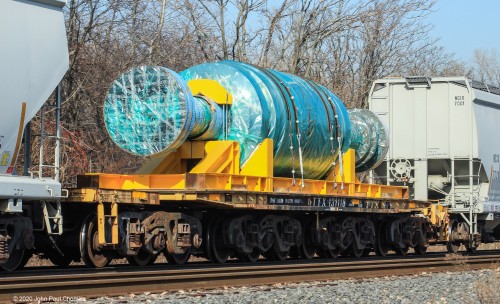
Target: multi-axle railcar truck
{"points": [[241, 162]]}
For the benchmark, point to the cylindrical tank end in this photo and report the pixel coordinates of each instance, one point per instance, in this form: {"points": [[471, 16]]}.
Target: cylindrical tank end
{"points": [[369, 138], [151, 110]]}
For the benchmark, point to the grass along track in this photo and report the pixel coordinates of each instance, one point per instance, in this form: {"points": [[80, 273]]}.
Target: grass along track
{"points": [[123, 280]]}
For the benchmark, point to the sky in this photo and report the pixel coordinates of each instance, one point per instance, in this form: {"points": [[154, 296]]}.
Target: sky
{"points": [[465, 25]]}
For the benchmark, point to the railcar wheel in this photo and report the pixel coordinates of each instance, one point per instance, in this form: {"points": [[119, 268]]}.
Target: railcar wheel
{"points": [[420, 249], [60, 260], [422, 245], [143, 258], [27, 256], [356, 251], [281, 255], [306, 249], [275, 254], [207, 240], [452, 247], [332, 253], [178, 259], [295, 253], [470, 247], [92, 255], [322, 253], [307, 252], [346, 252], [250, 257], [217, 251], [17, 260], [381, 243], [401, 251]]}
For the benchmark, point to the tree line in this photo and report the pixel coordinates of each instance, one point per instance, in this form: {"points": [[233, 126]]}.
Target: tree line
{"points": [[342, 44]]}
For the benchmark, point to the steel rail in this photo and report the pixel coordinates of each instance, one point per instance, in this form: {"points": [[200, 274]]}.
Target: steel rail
{"points": [[53, 284]]}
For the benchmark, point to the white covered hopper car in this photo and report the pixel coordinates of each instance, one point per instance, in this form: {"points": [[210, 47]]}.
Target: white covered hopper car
{"points": [[445, 144]]}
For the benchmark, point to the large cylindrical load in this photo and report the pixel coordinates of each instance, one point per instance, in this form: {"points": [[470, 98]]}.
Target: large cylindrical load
{"points": [[151, 110]]}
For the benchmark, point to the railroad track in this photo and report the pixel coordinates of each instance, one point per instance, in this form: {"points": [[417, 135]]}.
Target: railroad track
{"points": [[53, 284]]}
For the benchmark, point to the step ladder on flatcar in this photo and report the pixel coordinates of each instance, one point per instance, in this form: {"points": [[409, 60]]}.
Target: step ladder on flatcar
{"points": [[51, 209], [468, 207]]}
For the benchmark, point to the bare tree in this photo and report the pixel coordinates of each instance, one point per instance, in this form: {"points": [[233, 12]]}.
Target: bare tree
{"points": [[159, 29], [297, 31], [223, 24], [435, 61], [273, 19], [343, 44], [393, 35], [487, 66], [106, 38], [208, 19]]}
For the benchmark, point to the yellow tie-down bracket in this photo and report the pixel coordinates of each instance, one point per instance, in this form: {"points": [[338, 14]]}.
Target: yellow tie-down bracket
{"points": [[222, 156], [210, 89], [111, 219]]}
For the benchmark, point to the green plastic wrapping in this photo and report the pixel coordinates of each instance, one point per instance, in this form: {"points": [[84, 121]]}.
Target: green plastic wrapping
{"points": [[307, 122], [208, 119], [369, 139], [150, 110], [146, 111]]}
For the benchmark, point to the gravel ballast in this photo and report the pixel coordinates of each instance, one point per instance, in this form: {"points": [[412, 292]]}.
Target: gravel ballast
{"points": [[482, 286]]}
